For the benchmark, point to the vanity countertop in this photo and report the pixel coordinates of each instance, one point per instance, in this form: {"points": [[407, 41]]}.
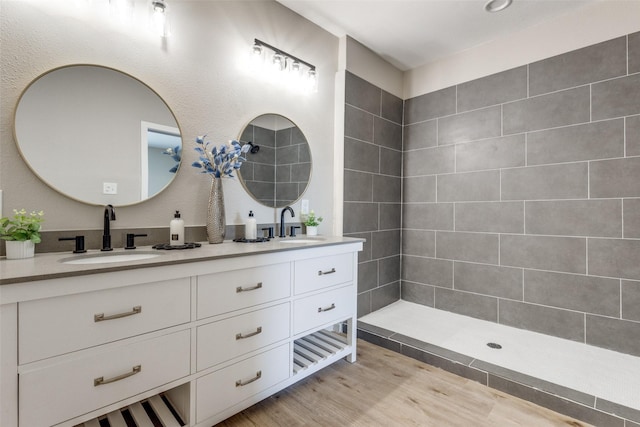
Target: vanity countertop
{"points": [[50, 265]]}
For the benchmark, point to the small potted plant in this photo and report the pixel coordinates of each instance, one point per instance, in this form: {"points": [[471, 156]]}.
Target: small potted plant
{"points": [[21, 233], [312, 222]]}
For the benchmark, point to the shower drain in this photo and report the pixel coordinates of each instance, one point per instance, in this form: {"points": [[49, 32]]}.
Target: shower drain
{"points": [[494, 345]]}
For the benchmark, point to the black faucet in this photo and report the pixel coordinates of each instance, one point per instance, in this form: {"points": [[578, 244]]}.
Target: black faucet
{"points": [[109, 215], [287, 208]]}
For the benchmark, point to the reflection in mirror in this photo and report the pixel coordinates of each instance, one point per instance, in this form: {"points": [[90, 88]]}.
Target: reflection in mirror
{"points": [[80, 127], [278, 167]]}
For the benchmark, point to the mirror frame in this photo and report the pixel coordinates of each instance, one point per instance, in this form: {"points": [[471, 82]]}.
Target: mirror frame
{"points": [[241, 178], [60, 191]]}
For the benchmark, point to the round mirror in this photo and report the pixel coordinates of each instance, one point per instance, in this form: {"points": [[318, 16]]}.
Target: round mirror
{"points": [[97, 135], [278, 166]]}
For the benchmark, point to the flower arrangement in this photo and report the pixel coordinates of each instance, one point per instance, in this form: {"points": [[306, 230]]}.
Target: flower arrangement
{"points": [[311, 220], [22, 227], [219, 161]]}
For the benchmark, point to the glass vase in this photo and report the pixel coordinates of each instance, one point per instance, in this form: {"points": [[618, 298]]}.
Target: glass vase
{"points": [[216, 222]]}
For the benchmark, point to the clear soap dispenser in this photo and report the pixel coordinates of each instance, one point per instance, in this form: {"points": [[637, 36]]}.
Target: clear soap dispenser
{"points": [[176, 230], [250, 228]]}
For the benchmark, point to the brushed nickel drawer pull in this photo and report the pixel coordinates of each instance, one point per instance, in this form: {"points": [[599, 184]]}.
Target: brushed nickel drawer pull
{"points": [[252, 334], [253, 288], [320, 309], [320, 272], [239, 383], [101, 381], [100, 317]]}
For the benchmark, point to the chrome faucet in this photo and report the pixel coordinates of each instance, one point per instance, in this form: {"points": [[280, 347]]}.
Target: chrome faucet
{"points": [[287, 208], [109, 215]]}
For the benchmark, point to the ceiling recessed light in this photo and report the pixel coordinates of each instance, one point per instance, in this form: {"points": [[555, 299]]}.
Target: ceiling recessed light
{"points": [[497, 5]]}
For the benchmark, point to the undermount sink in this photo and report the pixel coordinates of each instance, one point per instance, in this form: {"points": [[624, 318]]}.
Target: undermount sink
{"points": [[105, 258], [295, 240]]}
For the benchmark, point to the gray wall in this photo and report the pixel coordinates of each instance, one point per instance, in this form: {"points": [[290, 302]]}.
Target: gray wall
{"points": [[521, 200], [372, 189]]}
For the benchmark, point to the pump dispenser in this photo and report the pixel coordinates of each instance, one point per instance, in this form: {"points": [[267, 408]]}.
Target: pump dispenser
{"points": [[176, 230], [250, 228]]}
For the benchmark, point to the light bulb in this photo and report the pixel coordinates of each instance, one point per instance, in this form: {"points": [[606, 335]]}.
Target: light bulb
{"points": [[278, 61]]}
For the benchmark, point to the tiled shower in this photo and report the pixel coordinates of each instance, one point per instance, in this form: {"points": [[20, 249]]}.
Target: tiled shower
{"points": [[517, 199]]}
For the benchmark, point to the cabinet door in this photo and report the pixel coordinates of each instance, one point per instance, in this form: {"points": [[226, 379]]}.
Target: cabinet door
{"points": [[317, 273], [66, 390], [226, 339], [233, 290], [321, 309], [53, 326]]}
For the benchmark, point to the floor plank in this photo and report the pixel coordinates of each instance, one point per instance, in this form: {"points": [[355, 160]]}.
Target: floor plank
{"points": [[385, 388]]}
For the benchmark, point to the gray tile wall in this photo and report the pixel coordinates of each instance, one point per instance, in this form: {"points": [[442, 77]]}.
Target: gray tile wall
{"points": [[373, 188], [521, 196]]}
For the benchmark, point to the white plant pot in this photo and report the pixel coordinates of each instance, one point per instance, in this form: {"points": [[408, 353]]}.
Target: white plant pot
{"points": [[312, 230], [19, 249]]}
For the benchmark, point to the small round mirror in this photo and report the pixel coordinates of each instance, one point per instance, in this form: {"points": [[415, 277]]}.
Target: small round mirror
{"points": [[278, 166]]}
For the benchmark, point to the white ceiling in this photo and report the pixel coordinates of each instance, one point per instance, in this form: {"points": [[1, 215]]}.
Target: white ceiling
{"points": [[411, 33]]}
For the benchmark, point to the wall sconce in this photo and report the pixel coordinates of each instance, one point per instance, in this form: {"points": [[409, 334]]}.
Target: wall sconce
{"points": [[159, 18], [285, 67]]}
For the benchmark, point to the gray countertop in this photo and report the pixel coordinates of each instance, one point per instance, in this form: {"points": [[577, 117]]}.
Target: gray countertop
{"points": [[50, 265]]}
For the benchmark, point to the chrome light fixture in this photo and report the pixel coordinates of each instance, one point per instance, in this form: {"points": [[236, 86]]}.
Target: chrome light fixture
{"points": [[497, 5], [281, 62], [159, 19]]}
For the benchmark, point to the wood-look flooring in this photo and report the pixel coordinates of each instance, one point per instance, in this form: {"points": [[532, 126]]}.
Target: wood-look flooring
{"points": [[384, 388]]}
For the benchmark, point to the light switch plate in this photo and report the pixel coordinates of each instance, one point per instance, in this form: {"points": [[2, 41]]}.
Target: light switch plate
{"points": [[304, 206], [109, 188]]}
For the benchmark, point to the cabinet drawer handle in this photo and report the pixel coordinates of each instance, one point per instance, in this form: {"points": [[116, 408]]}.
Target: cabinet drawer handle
{"points": [[252, 334], [239, 383], [253, 288], [101, 381], [320, 309], [320, 272], [100, 317]]}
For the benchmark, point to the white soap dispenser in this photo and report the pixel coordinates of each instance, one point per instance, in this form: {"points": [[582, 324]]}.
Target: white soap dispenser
{"points": [[250, 228], [176, 230]]}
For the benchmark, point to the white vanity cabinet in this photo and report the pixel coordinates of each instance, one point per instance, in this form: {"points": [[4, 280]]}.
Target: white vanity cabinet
{"points": [[207, 337]]}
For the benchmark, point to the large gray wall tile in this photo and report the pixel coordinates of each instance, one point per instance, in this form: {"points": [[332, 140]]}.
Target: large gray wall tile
{"points": [[429, 161], [358, 124], [547, 320], [493, 153], [544, 252], [429, 271], [492, 217], [362, 94], [594, 218], [358, 186], [391, 163], [389, 269], [387, 188], [600, 140], [478, 124], [468, 304], [387, 134], [474, 247], [495, 89], [421, 135], [502, 282], [614, 334], [392, 107], [633, 135], [631, 300], [616, 98], [419, 242], [575, 292], [367, 276], [385, 243], [385, 295], [430, 105], [546, 111], [417, 293], [364, 304], [419, 189], [563, 181], [634, 53], [390, 216], [615, 178], [590, 64], [469, 186], [361, 156], [360, 217], [614, 258], [631, 208], [428, 216]]}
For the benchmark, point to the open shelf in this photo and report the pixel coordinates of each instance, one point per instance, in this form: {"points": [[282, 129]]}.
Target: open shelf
{"points": [[316, 347]]}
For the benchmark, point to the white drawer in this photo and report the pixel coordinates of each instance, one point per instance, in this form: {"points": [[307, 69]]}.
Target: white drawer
{"points": [[317, 310], [232, 290], [318, 273], [224, 388], [53, 326], [67, 390], [223, 340]]}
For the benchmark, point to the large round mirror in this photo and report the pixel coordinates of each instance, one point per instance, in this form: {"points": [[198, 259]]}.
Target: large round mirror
{"points": [[278, 166], [97, 135]]}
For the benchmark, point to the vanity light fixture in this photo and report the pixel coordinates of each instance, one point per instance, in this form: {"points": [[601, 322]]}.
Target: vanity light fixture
{"points": [[159, 20], [497, 5], [282, 62]]}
